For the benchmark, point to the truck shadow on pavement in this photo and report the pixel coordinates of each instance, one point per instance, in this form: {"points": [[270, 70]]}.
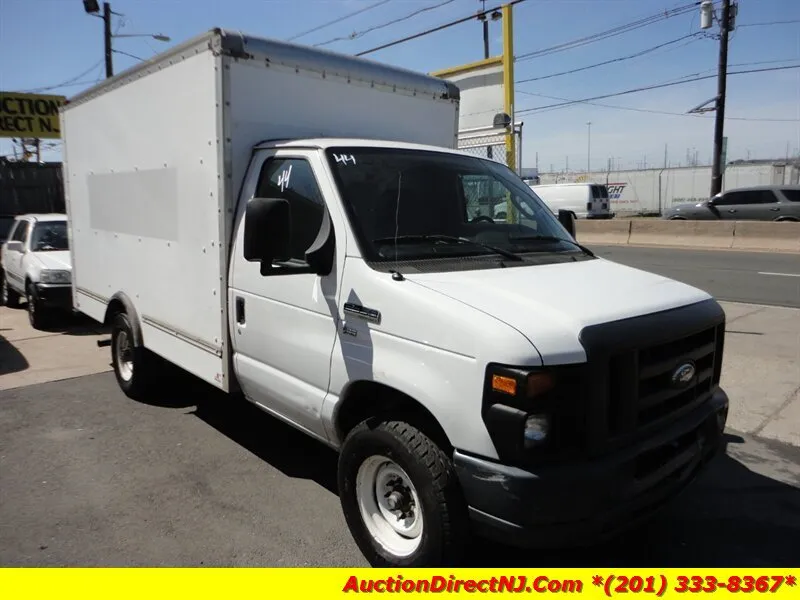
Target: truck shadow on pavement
{"points": [[11, 359], [730, 515]]}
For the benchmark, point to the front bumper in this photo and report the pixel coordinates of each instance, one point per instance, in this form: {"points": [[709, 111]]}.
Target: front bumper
{"points": [[54, 295], [587, 502], [600, 216]]}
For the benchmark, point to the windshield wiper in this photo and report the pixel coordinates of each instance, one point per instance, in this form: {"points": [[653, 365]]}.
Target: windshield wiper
{"points": [[549, 238], [451, 239]]}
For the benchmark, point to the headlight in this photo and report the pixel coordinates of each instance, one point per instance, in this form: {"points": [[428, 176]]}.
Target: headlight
{"points": [[536, 429], [518, 409], [54, 276]]}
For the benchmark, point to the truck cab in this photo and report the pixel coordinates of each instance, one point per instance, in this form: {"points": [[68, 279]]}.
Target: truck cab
{"points": [[395, 302]]}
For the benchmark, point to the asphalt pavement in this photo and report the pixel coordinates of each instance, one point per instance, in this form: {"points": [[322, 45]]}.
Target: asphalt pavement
{"points": [[91, 478], [752, 277]]}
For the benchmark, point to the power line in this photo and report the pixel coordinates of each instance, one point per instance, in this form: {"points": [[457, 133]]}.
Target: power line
{"points": [[744, 64], [357, 34], [658, 112], [651, 87], [609, 33], [66, 83], [613, 60], [438, 28], [339, 20], [128, 54], [769, 23]]}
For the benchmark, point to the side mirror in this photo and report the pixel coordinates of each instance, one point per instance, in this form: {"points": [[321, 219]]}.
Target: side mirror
{"points": [[267, 231], [567, 219], [14, 246]]}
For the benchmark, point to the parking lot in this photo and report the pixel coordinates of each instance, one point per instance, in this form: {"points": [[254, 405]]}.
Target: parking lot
{"points": [[89, 477]]}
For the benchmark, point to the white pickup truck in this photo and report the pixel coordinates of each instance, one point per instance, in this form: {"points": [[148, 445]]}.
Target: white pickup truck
{"points": [[36, 266], [290, 224]]}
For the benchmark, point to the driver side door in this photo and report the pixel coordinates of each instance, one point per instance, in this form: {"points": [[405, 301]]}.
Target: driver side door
{"points": [[283, 326]]}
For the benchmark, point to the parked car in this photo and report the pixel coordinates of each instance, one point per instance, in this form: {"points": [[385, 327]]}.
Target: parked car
{"points": [[584, 200], [37, 266], [758, 203]]}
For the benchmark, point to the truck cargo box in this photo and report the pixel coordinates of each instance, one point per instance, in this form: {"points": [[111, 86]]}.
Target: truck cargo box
{"points": [[155, 157]]}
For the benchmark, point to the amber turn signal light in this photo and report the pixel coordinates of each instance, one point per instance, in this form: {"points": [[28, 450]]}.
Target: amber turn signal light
{"points": [[507, 385]]}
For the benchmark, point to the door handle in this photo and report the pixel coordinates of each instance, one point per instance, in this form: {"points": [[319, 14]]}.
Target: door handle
{"points": [[240, 310], [733, 210], [774, 209]]}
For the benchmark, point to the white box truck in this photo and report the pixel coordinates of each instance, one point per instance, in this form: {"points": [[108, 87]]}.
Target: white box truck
{"points": [[294, 226]]}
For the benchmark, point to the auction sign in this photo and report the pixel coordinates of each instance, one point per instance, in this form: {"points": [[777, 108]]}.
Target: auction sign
{"points": [[30, 115]]}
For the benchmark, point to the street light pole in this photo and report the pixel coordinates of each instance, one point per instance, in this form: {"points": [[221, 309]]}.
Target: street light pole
{"points": [[107, 38], [589, 150]]}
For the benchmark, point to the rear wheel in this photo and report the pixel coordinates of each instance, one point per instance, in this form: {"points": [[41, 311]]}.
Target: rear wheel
{"points": [[400, 496], [8, 297], [134, 366]]}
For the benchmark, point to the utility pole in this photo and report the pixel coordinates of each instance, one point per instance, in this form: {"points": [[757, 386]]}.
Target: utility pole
{"points": [[719, 124], [485, 30], [107, 38], [485, 20]]}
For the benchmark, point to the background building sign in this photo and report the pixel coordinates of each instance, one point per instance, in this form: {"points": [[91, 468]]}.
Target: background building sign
{"points": [[30, 115]]}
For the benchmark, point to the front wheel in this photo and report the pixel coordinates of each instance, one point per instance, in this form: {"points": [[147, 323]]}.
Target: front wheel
{"points": [[400, 496], [38, 315]]}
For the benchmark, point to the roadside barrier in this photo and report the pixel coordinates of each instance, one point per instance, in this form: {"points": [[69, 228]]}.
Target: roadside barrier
{"points": [[603, 232], [738, 235], [778, 237]]}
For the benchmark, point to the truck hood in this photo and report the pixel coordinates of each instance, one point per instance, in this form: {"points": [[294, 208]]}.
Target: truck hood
{"points": [[54, 259], [551, 304]]}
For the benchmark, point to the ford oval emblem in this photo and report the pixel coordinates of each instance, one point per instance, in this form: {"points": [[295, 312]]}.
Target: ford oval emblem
{"points": [[683, 375]]}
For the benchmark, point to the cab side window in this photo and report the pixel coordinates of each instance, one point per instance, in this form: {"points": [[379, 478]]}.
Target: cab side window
{"points": [[293, 180], [21, 232]]}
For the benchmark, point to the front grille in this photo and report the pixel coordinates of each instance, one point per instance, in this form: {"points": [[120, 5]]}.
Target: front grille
{"points": [[628, 393], [641, 392]]}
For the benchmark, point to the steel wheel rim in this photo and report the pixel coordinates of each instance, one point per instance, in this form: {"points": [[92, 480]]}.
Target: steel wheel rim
{"points": [[124, 354], [389, 505]]}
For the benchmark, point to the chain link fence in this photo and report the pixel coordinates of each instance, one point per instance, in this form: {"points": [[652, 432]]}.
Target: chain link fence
{"points": [[491, 146], [484, 199]]}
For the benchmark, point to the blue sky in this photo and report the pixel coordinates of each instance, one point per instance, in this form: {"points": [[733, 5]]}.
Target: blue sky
{"points": [[46, 42]]}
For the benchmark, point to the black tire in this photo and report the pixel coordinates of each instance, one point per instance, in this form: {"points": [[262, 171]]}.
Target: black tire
{"points": [[8, 297], [445, 522], [38, 316], [677, 218], [140, 380]]}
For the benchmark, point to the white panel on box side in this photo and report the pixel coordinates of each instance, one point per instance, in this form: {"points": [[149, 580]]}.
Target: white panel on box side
{"points": [[143, 202], [282, 102]]}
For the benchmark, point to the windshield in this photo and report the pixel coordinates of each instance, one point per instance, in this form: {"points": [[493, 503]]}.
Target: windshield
{"points": [[413, 204], [49, 235]]}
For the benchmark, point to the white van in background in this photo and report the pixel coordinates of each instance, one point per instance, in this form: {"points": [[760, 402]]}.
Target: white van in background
{"points": [[585, 200]]}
